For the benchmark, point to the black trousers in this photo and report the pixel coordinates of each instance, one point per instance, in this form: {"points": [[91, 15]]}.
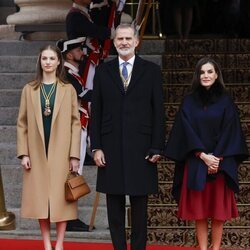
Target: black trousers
{"points": [[116, 218]]}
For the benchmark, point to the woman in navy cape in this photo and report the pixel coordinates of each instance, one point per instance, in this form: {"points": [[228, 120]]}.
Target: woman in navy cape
{"points": [[207, 144]]}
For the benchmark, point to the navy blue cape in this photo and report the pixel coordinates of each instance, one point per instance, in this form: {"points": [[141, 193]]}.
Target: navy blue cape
{"points": [[214, 128]]}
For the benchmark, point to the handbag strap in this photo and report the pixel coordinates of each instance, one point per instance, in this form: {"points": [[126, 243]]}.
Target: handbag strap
{"points": [[70, 174]]}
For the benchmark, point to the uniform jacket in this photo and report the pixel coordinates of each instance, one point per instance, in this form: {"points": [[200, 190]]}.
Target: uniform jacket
{"points": [[126, 126], [43, 185], [83, 94], [212, 128], [79, 24]]}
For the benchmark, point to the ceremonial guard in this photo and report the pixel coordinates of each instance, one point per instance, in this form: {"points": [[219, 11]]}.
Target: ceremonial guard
{"points": [[73, 53], [80, 24]]}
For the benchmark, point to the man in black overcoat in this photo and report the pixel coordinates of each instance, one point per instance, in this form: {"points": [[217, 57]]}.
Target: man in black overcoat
{"points": [[127, 135]]}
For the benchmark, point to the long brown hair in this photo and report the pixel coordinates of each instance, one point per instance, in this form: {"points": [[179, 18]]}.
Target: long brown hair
{"points": [[60, 73]]}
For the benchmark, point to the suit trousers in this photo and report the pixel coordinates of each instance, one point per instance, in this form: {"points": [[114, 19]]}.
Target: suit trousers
{"points": [[116, 205]]}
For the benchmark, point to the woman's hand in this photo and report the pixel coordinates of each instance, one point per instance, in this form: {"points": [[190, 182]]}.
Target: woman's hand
{"points": [[211, 161], [74, 164], [25, 162]]}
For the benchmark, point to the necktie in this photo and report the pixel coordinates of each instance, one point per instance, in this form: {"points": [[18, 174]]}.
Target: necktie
{"points": [[124, 70]]}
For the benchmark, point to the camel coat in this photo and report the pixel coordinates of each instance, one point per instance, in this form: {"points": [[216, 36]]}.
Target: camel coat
{"points": [[43, 185]]}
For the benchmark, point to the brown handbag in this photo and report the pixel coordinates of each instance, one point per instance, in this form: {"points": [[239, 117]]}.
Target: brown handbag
{"points": [[75, 187]]}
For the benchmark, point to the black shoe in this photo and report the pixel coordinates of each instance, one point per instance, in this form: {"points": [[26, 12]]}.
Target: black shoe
{"points": [[77, 226]]}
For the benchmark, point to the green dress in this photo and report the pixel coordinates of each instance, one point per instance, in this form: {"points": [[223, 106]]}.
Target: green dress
{"points": [[47, 119]]}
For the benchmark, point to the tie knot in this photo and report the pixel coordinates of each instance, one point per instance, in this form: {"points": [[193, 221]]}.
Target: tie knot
{"points": [[125, 64]]}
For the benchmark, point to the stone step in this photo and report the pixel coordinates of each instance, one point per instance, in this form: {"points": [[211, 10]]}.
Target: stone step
{"points": [[236, 238], [229, 76], [21, 48], [84, 214], [207, 46], [100, 234], [8, 116], [27, 64], [15, 80], [8, 134], [32, 48], [18, 64], [165, 216], [175, 92], [10, 97], [165, 236], [24, 226], [8, 154], [188, 61]]}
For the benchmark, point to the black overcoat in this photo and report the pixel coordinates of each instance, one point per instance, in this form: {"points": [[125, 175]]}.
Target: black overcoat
{"points": [[126, 126]]}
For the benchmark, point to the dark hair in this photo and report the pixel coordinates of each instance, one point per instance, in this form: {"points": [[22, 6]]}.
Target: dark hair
{"points": [[60, 74], [196, 77]]}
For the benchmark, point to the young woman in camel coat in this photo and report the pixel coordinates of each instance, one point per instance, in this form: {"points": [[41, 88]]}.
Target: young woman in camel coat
{"points": [[48, 144]]}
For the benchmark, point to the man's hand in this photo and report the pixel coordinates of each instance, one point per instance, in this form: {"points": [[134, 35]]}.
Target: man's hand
{"points": [[99, 158], [153, 158]]}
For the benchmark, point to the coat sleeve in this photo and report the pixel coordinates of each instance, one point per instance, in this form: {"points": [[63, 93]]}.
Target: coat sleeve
{"points": [[96, 113], [22, 126], [158, 132], [75, 126]]}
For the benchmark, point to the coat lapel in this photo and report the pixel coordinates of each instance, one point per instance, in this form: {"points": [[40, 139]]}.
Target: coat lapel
{"points": [[60, 91], [36, 100], [115, 72], [136, 73]]}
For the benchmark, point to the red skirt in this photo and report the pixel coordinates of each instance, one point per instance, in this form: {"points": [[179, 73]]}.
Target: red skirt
{"points": [[216, 201]]}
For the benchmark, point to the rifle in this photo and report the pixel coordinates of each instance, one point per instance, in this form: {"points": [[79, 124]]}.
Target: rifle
{"points": [[141, 20], [116, 9]]}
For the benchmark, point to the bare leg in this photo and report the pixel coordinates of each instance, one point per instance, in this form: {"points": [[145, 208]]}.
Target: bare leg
{"points": [[202, 233], [60, 230], [45, 230], [178, 21], [187, 22], [217, 230]]}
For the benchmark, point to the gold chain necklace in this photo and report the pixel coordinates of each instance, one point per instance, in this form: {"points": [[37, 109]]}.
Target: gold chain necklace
{"points": [[125, 81], [47, 109]]}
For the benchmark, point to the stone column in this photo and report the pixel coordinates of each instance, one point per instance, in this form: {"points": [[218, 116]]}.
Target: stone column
{"points": [[40, 11]]}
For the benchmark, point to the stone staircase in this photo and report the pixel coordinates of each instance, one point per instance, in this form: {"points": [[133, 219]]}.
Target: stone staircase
{"points": [[17, 67], [178, 65]]}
